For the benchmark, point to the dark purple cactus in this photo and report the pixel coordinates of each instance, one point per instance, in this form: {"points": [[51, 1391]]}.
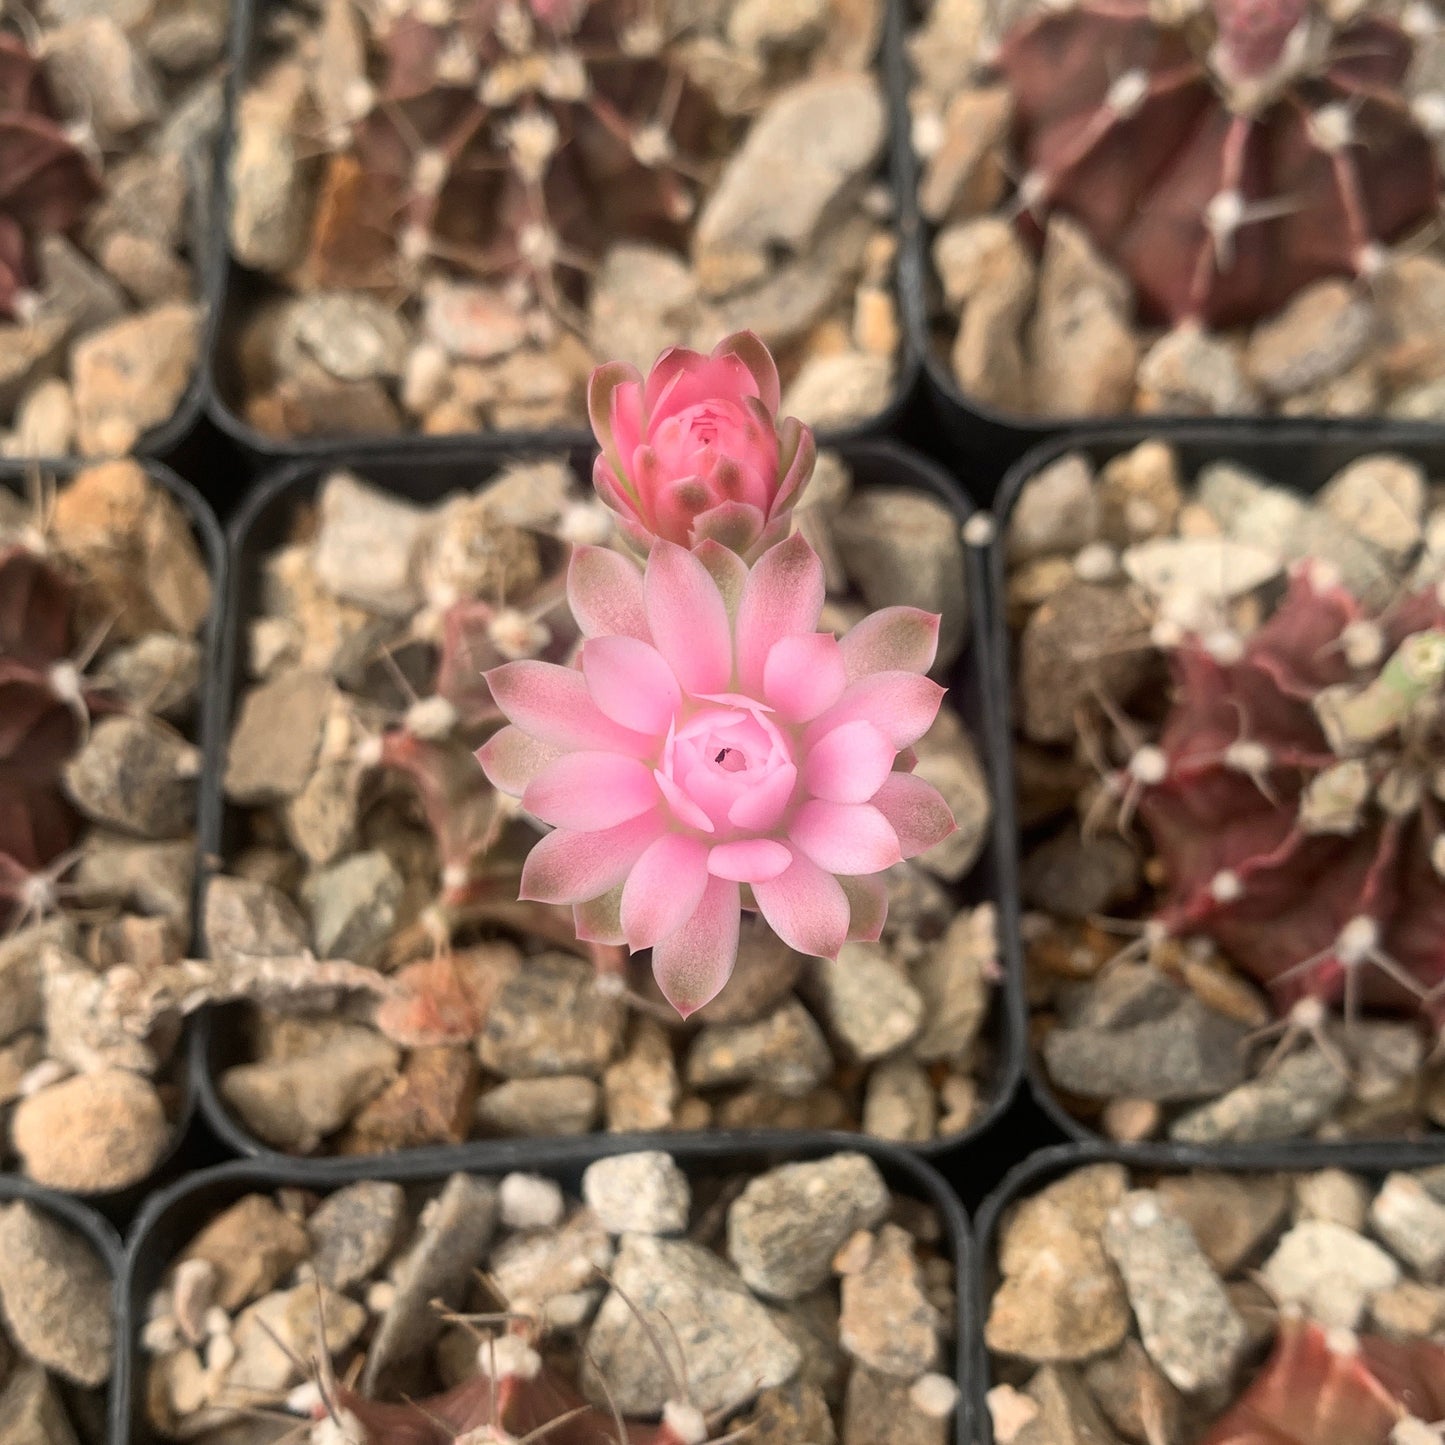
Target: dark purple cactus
{"points": [[46, 182], [1295, 798], [1222, 177]]}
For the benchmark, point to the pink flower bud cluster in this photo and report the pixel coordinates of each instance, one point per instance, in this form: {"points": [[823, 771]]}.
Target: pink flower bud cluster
{"points": [[712, 750]]}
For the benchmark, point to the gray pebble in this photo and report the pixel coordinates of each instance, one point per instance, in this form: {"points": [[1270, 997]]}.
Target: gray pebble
{"points": [[55, 1294], [1191, 1052], [456, 1230], [785, 1227], [1290, 1101], [643, 1193], [729, 1347], [550, 1018], [1186, 1321], [354, 1231]]}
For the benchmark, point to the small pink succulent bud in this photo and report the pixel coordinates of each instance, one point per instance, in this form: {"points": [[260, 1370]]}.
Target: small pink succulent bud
{"points": [[714, 752], [696, 450]]}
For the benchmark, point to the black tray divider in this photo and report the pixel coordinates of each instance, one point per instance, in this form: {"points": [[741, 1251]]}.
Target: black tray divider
{"points": [[257, 525], [173, 1215]]}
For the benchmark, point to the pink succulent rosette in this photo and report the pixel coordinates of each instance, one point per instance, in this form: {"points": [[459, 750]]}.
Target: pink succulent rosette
{"points": [[694, 452], [714, 751]]}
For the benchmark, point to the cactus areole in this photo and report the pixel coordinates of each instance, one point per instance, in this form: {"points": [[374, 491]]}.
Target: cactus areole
{"points": [[1298, 803], [1230, 160]]}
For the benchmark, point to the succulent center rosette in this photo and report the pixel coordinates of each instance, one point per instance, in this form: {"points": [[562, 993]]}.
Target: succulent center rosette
{"points": [[713, 752]]}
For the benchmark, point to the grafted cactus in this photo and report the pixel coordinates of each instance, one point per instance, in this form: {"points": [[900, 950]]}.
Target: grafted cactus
{"points": [[45, 710], [1230, 160], [1296, 797], [46, 181], [517, 1397], [1336, 1388], [504, 137]]}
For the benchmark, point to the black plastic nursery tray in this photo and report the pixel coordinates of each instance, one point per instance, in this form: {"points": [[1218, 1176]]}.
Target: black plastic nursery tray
{"points": [[1302, 457], [172, 1217], [210, 738], [233, 286], [263, 521]]}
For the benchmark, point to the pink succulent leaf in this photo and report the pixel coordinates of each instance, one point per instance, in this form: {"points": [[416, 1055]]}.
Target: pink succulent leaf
{"points": [[663, 889], [599, 920], [610, 413], [696, 450], [765, 806], [806, 907], [804, 675], [604, 591], [895, 639], [901, 705], [750, 349], [631, 683], [511, 758], [728, 571], [552, 703], [916, 812], [590, 791], [567, 867], [867, 906], [797, 456], [851, 838], [849, 764], [721, 760], [753, 860], [689, 619], [734, 525], [692, 964], [783, 598]]}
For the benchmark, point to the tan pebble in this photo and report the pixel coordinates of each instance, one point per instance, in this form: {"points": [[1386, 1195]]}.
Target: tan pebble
{"points": [[450, 416], [1225, 991], [854, 1253], [1131, 1121], [692, 1113], [1196, 521], [875, 321], [879, 254]]}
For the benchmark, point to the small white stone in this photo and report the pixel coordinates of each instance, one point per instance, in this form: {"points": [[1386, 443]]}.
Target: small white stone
{"points": [[1329, 1270], [935, 1396], [642, 1193], [1217, 568], [528, 1201]]}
